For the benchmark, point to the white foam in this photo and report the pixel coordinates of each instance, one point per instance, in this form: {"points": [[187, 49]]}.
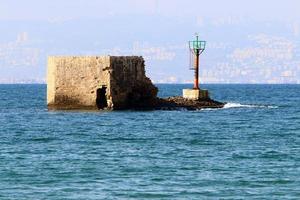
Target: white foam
{"points": [[238, 105], [209, 108], [272, 106]]}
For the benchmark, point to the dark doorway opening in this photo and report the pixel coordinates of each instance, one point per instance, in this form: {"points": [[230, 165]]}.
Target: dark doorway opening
{"points": [[101, 100]]}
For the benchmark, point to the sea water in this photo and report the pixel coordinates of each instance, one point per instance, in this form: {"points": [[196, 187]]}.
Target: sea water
{"points": [[250, 149]]}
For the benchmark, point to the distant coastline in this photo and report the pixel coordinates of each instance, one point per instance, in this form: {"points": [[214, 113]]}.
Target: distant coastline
{"points": [[156, 83], [44, 81]]}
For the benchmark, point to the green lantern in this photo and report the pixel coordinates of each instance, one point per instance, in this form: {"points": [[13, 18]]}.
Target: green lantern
{"points": [[197, 46]]}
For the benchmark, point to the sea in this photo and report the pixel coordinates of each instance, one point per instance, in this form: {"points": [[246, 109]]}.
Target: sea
{"points": [[250, 149]]}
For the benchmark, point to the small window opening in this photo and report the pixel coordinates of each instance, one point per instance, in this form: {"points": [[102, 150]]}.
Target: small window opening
{"points": [[101, 100]]}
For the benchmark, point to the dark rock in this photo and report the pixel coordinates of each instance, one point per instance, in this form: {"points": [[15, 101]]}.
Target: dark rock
{"points": [[175, 103]]}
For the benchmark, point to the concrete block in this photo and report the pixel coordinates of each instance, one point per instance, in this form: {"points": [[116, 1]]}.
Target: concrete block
{"points": [[195, 94]]}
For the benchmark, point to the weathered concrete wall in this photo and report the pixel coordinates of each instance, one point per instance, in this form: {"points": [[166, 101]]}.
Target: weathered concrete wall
{"points": [[129, 84], [73, 81]]}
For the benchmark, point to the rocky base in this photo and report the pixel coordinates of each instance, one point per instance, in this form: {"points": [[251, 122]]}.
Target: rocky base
{"points": [[177, 102], [170, 103]]}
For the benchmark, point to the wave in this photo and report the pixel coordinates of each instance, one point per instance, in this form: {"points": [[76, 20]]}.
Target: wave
{"points": [[238, 105]]}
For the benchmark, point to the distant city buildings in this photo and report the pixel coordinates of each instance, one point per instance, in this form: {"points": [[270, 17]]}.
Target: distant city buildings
{"points": [[257, 58], [19, 53]]}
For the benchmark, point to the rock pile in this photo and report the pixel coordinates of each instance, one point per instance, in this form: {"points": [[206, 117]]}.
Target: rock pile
{"points": [[176, 103]]}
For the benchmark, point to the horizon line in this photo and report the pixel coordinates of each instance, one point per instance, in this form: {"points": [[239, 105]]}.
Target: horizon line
{"points": [[166, 83]]}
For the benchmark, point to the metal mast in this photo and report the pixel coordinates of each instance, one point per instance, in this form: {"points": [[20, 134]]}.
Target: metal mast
{"points": [[196, 49]]}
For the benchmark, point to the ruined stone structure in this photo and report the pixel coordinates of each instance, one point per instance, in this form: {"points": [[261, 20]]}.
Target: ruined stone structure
{"points": [[98, 82]]}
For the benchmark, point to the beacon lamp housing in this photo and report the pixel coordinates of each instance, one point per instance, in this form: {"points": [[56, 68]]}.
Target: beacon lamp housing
{"points": [[197, 45]]}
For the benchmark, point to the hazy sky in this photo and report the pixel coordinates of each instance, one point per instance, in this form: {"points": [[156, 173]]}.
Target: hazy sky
{"points": [[248, 41], [66, 9]]}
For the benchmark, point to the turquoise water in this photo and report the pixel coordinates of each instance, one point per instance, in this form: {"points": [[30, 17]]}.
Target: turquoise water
{"points": [[248, 150]]}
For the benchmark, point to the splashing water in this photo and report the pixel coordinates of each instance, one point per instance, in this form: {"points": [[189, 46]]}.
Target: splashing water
{"points": [[238, 105]]}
